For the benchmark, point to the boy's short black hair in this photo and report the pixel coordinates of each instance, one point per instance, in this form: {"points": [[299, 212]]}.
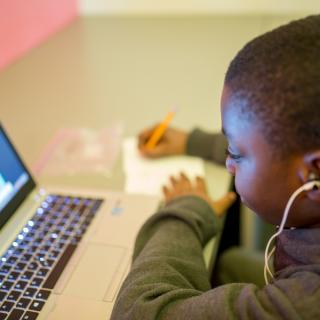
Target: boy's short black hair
{"points": [[276, 80]]}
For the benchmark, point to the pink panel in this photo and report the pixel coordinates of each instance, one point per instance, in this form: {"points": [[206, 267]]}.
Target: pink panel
{"points": [[24, 24]]}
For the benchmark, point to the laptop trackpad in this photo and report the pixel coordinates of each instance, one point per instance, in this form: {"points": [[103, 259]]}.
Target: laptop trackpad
{"points": [[94, 273]]}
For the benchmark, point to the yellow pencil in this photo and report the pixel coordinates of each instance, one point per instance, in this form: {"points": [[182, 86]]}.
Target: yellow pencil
{"points": [[160, 130]]}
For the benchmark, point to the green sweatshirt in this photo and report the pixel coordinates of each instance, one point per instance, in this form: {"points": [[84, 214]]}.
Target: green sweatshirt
{"points": [[169, 280]]}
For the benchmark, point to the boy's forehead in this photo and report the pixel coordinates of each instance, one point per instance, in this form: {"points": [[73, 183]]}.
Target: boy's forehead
{"points": [[237, 126], [236, 104], [233, 127], [229, 102], [233, 119], [224, 95]]}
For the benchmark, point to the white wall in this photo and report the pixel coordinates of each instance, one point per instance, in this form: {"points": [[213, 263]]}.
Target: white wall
{"points": [[199, 6]]}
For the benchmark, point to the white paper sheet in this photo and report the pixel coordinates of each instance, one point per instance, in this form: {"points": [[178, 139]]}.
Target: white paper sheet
{"points": [[149, 175]]}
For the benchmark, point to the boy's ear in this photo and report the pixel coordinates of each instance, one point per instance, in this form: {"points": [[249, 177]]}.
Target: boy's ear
{"points": [[311, 171]]}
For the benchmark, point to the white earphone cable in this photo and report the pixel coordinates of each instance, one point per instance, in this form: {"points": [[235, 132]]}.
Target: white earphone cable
{"points": [[307, 186]]}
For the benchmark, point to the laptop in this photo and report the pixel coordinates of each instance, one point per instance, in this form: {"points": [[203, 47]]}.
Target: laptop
{"points": [[63, 252]]}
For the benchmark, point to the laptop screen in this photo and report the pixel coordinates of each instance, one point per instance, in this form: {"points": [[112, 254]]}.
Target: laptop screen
{"points": [[15, 180]]}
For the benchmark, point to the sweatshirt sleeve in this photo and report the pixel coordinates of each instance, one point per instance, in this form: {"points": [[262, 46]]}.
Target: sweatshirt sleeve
{"points": [[210, 146], [168, 263], [168, 278]]}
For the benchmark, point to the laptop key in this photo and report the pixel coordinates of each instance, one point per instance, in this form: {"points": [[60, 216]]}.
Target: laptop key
{"points": [[14, 295], [42, 272], [54, 254], [12, 260], [36, 305], [19, 266], [2, 295], [5, 269], [36, 282], [47, 263], [20, 285], [26, 257], [15, 314], [6, 286], [18, 250], [30, 315], [13, 275], [23, 303], [33, 266], [32, 249], [27, 275], [3, 315], [43, 294], [40, 256], [7, 306], [45, 248], [30, 292]]}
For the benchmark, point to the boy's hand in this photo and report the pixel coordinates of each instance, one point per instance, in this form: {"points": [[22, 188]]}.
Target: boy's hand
{"points": [[183, 186], [173, 142]]}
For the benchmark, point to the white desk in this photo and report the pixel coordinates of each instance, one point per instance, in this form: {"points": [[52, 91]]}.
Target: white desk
{"points": [[102, 70]]}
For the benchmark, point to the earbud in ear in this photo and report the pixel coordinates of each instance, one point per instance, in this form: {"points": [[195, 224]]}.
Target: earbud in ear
{"points": [[313, 182], [312, 176]]}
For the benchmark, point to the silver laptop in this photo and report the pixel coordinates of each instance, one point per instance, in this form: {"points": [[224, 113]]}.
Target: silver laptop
{"points": [[63, 253]]}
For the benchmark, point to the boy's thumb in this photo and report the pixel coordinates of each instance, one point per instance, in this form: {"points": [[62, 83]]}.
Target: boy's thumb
{"points": [[224, 203]]}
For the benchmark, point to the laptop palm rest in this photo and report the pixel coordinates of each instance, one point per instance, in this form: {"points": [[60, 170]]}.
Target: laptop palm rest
{"points": [[94, 273]]}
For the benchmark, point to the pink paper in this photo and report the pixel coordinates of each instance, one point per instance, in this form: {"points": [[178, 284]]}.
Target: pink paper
{"points": [[24, 24]]}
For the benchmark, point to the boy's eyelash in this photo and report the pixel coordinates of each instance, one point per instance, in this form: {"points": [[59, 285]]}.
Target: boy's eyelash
{"points": [[232, 155]]}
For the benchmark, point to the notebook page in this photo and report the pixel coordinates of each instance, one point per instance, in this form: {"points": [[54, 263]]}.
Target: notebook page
{"points": [[149, 175]]}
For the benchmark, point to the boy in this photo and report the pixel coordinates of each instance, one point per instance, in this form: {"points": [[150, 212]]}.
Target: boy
{"points": [[270, 110]]}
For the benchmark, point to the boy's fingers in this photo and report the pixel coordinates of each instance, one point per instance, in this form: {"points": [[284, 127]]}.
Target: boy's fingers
{"points": [[201, 185], [147, 132], [166, 192], [184, 176], [151, 153], [173, 180], [177, 185], [156, 152], [223, 204], [144, 136], [185, 181]]}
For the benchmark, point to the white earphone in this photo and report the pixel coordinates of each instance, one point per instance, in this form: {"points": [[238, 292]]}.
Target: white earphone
{"points": [[313, 183]]}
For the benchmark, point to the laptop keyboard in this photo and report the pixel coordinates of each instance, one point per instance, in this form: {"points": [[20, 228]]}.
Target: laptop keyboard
{"points": [[33, 263]]}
